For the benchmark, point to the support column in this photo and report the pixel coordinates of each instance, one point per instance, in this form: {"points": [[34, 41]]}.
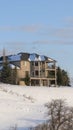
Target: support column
{"points": [[41, 83], [45, 70], [34, 68], [39, 68], [55, 74]]}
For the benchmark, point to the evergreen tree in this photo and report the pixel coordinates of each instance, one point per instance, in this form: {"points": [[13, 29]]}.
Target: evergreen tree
{"points": [[14, 76], [27, 79], [59, 76], [6, 73], [62, 77], [65, 78]]}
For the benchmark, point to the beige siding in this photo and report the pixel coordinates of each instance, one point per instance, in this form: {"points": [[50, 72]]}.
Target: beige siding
{"points": [[24, 66]]}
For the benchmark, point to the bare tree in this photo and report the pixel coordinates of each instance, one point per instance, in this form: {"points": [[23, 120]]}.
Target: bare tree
{"points": [[60, 116]]}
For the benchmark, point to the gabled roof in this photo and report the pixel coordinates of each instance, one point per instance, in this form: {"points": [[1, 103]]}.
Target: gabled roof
{"points": [[27, 57]]}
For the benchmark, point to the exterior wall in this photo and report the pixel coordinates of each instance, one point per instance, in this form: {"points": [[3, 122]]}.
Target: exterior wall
{"points": [[40, 68], [22, 83], [43, 78], [24, 66], [21, 73]]}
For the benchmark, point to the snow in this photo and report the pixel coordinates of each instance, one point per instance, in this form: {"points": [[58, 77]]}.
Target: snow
{"points": [[34, 57], [13, 66], [24, 106], [15, 57], [41, 58], [50, 59]]}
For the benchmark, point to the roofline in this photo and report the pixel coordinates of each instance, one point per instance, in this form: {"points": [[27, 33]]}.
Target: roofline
{"points": [[48, 59]]}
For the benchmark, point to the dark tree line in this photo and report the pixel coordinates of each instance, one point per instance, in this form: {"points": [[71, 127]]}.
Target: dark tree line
{"points": [[62, 77]]}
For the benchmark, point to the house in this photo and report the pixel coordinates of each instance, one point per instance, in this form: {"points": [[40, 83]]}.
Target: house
{"points": [[41, 69]]}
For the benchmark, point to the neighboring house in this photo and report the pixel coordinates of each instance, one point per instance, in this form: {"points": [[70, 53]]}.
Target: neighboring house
{"points": [[41, 69]]}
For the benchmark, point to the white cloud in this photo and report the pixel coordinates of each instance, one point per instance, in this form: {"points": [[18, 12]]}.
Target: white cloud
{"points": [[22, 28], [50, 34], [69, 20]]}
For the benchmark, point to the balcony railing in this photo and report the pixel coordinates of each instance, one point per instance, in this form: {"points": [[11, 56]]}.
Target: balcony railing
{"points": [[38, 76], [51, 76], [43, 76], [50, 68]]}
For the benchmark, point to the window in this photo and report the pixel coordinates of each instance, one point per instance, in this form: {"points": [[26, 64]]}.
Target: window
{"points": [[36, 63], [36, 73], [32, 63], [32, 73]]}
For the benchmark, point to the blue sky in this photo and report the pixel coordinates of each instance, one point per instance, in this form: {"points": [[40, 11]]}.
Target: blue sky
{"points": [[40, 26]]}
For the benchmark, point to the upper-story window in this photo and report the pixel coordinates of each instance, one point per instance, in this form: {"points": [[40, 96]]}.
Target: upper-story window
{"points": [[32, 63], [36, 73], [36, 63]]}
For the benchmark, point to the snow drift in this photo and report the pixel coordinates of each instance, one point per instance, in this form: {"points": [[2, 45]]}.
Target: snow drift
{"points": [[24, 106]]}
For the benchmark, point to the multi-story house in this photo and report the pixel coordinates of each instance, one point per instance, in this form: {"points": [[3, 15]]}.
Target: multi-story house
{"points": [[41, 69]]}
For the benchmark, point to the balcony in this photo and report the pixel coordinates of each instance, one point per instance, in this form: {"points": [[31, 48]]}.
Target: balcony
{"points": [[37, 76], [51, 68], [51, 76]]}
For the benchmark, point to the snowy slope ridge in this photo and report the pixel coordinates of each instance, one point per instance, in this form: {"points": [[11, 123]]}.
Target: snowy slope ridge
{"points": [[24, 106]]}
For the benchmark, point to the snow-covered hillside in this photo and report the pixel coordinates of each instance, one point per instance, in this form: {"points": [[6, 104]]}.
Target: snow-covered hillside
{"points": [[24, 106]]}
